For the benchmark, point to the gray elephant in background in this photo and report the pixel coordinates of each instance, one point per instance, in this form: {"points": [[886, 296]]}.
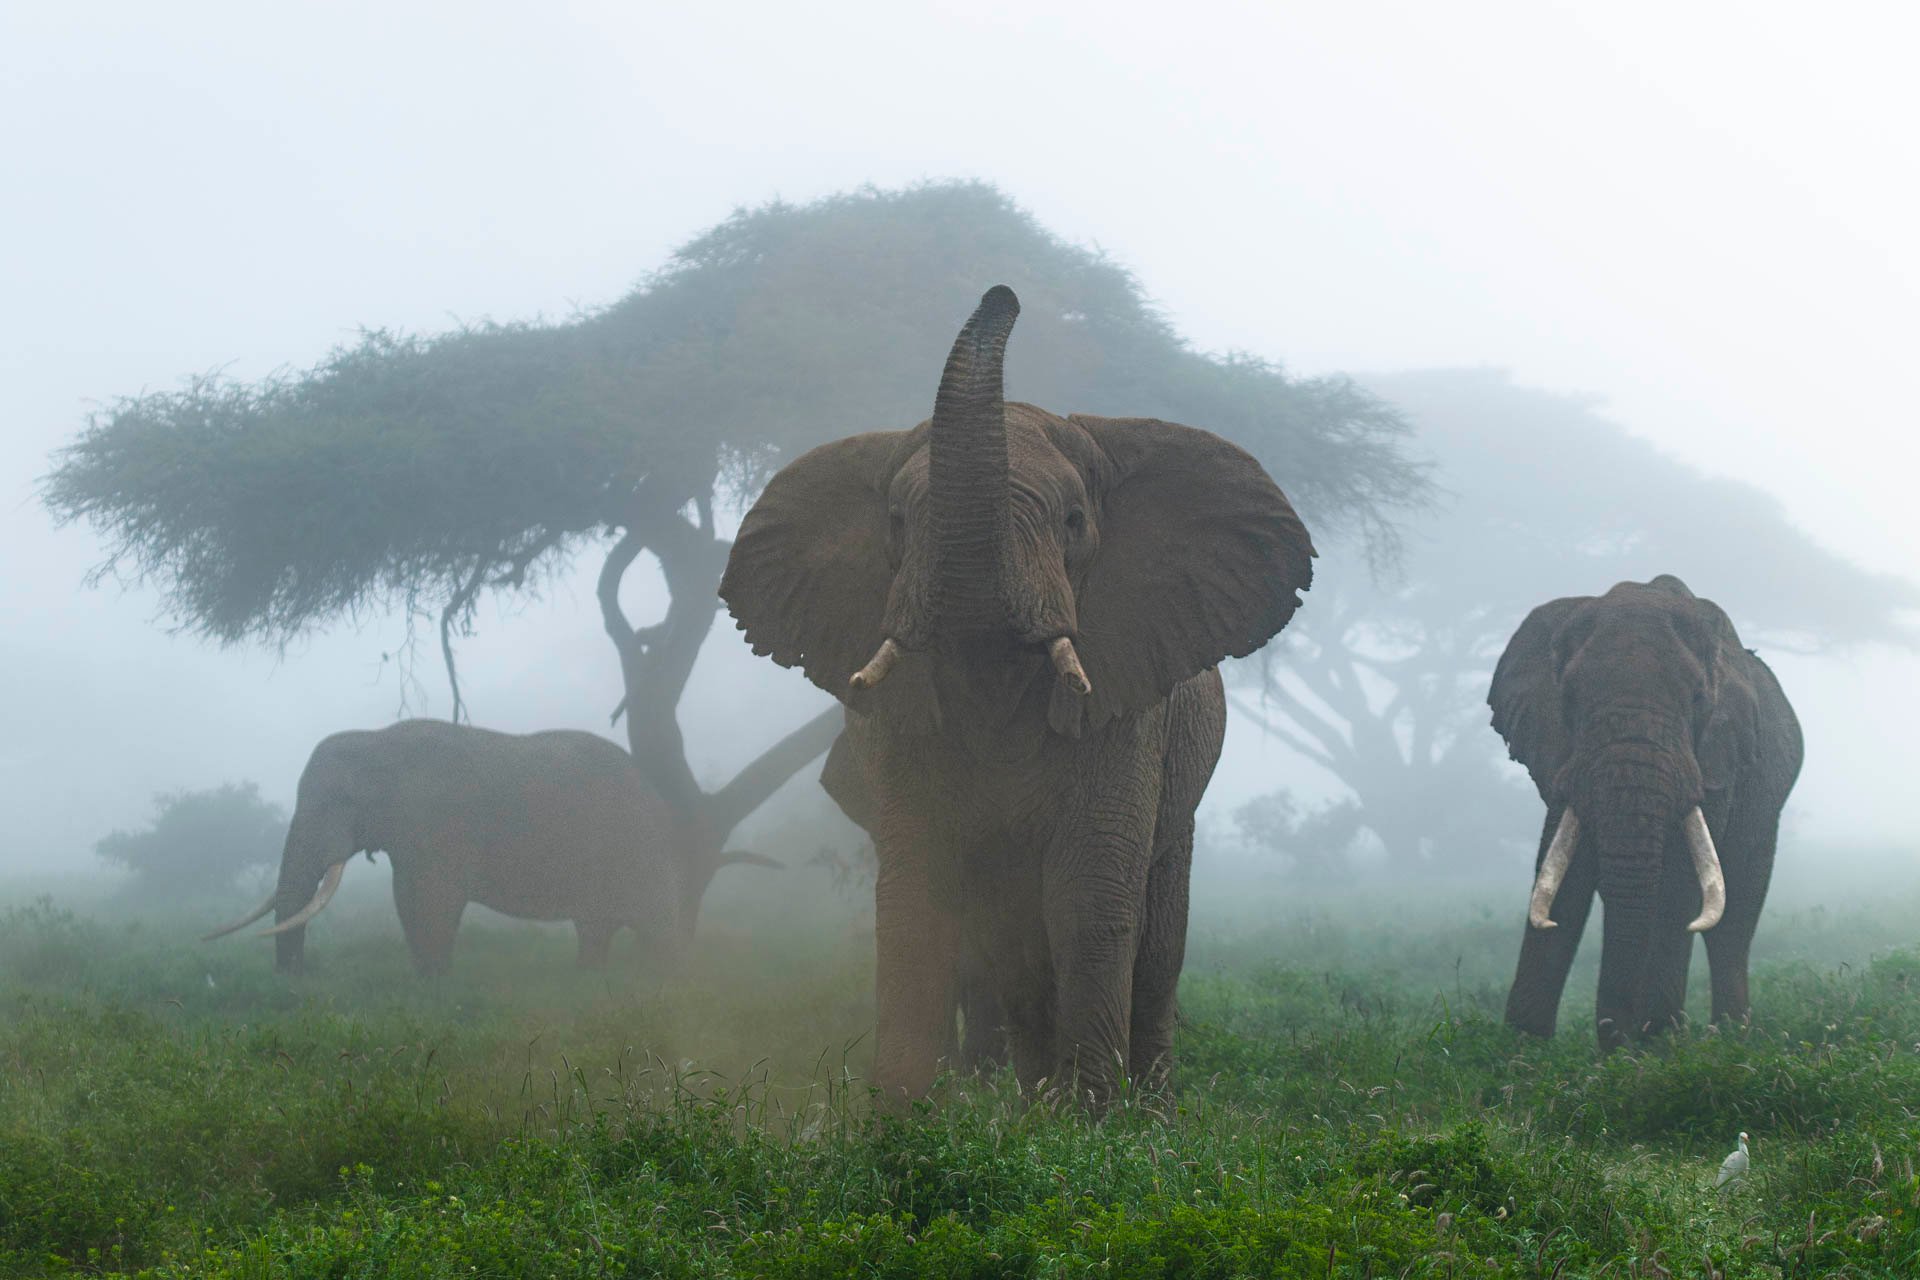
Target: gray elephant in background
{"points": [[1022, 613], [559, 825], [1664, 751]]}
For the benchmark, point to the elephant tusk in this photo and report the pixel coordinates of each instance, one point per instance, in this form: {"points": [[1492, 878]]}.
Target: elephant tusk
{"points": [[1706, 865], [1067, 663], [1553, 869], [322, 896], [242, 922], [877, 667], [740, 857]]}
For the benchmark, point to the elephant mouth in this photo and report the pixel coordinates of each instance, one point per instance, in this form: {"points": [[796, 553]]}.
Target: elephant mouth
{"points": [[1060, 650], [1566, 838]]}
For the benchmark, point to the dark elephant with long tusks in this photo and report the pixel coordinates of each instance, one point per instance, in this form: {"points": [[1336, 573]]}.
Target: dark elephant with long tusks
{"points": [[1022, 613], [1664, 750], [559, 825]]}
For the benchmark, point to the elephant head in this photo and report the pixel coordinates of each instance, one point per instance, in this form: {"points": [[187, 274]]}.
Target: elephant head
{"points": [[346, 785], [911, 573], [1627, 710]]}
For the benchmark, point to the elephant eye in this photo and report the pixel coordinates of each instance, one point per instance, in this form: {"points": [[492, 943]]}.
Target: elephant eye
{"points": [[1076, 520], [896, 522]]}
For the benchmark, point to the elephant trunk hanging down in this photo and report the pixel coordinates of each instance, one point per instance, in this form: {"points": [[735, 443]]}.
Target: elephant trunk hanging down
{"points": [[1664, 751], [1022, 613]]}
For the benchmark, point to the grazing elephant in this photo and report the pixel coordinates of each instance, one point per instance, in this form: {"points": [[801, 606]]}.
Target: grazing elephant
{"points": [[1022, 614], [1664, 751], [545, 826]]}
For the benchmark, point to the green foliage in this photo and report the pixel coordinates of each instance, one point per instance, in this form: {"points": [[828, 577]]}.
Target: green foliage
{"points": [[424, 470], [1347, 1107], [200, 840]]}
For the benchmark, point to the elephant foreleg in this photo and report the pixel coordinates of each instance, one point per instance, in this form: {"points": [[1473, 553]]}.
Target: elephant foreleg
{"points": [[1546, 955], [917, 957], [1093, 890], [1748, 857], [430, 914], [1093, 931], [1161, 955]]}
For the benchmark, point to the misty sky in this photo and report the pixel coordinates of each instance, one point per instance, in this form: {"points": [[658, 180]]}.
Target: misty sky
{"points": [[1705, 214]]}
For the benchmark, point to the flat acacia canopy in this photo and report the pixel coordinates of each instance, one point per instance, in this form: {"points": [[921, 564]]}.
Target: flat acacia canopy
{"points": [[423, 470]]}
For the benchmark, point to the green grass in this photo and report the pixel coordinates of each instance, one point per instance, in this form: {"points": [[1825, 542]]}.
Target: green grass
{"points": [[1348, 1105]]}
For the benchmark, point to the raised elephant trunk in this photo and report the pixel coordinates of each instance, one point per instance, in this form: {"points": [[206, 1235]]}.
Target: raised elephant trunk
{"points": [[970, 492], [967, 473]]}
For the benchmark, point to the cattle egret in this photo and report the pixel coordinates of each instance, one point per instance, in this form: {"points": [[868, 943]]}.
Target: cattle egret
{"points": [[1734, 1166]]}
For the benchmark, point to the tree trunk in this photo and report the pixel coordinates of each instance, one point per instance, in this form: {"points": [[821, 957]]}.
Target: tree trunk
{"points": [[656, 661]]}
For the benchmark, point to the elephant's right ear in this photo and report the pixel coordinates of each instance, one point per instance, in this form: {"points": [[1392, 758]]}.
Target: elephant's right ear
{"points": [[808, 576], [1525, 693]]}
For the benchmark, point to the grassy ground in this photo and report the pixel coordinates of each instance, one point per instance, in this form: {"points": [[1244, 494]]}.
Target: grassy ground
{"points": [[1348, 1105]]}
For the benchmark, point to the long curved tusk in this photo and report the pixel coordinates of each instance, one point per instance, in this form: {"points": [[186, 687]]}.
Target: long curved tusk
{"points": [[328, 885], [1553, 869], [740, 858], [1706, 865], [1067, 663], [877, 667], [242, 922]]}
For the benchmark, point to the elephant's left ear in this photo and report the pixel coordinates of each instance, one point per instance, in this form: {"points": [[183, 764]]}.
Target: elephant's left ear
{"points": [[1200, 558]]}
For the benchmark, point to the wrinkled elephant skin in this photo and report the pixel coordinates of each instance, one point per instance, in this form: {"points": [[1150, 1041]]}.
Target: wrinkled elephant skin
{"points": [[1022, 614], [1664, 751], [544, 826]]}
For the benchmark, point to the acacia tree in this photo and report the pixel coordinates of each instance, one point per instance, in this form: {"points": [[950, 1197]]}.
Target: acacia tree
{"points": [[427, 472], [1383, 682]]}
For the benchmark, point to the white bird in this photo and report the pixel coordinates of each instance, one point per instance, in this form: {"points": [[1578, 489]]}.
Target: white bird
{"points": [[1734, 1167]]}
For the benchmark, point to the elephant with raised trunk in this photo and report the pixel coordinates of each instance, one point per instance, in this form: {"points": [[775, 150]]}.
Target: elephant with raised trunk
{"points": [[1022, 614], [558, 825], [1664, 751]]}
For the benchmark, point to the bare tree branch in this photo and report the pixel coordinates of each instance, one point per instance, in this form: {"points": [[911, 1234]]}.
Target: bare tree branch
{"points": [[750, 787], [457, 607], [1286, 736]]}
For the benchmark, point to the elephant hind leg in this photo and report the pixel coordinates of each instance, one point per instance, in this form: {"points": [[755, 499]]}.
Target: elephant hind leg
{"points": [[596, 940]]}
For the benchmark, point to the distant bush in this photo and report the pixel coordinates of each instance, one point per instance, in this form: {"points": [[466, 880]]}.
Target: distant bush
{"points": [[201, 839], [1318, 842]]}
